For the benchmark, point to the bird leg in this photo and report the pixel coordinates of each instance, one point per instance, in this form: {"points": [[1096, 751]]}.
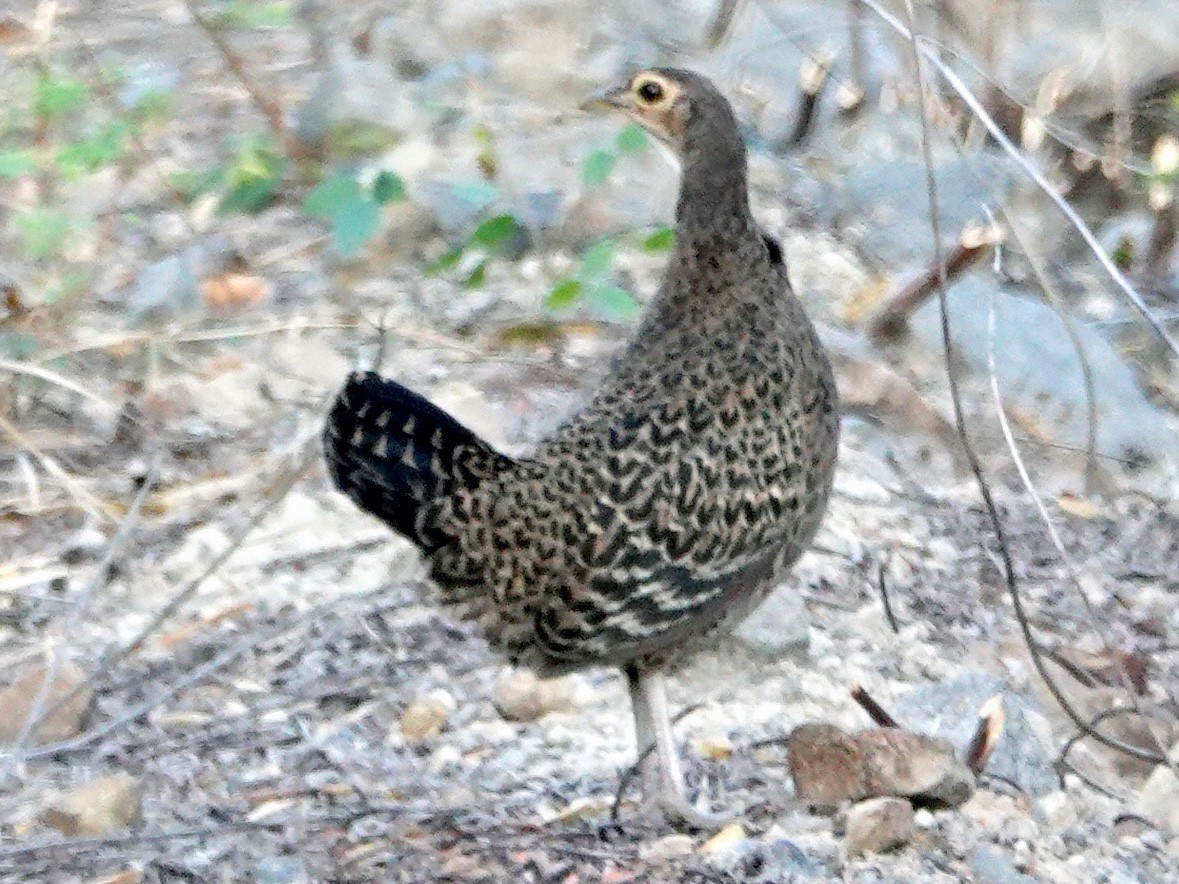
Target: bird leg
{"points": [[663, 779]]}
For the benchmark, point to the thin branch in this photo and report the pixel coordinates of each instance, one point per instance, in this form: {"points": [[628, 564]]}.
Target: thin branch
{"points": [[882, 583], [36, 371], [1124, 679], [890, 319], [84, 499], [956, 395], [1029, 168], [37, 711], [269, 108], [879, 715]]}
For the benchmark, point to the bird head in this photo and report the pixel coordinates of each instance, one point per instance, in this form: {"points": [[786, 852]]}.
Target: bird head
{"points": [[667, 102]]}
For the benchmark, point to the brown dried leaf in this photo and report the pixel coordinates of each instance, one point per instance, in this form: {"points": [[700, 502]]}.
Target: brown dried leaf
{"points": [[231, 291], [1077, 506]]}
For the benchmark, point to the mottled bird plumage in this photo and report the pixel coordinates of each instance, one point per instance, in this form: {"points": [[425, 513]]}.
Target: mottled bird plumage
{"points": [[663, 511]]}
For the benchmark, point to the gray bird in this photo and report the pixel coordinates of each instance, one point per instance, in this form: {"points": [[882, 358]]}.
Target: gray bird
{"points": [[660, 514]]}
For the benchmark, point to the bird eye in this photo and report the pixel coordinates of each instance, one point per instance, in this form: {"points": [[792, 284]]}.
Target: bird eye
{"points": [[650, 92]]}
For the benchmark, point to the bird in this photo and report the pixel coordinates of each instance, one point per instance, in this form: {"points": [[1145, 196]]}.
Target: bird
{"points": [[662, 512]]}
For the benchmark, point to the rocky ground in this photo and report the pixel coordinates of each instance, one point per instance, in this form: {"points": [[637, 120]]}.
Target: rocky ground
{"points": [[249, 679]]}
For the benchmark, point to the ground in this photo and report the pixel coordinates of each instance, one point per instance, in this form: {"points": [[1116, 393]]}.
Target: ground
{"points": [[300, 711]]}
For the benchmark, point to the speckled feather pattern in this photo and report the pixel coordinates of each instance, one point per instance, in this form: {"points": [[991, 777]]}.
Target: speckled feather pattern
{"points": [[664, 511]]}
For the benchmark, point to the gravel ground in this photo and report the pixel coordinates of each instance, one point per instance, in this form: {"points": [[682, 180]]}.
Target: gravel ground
{"points": [[304, 713]]}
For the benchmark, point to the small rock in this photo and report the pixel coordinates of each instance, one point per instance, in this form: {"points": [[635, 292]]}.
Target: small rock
{"points": [[66, 721], [520, 696], [879, 824], [1057, 810], [280, 870], [1159, 800], [101, 806], [779, 627], [668, 847], [990, 866], [424, 717], [762, 862], [728, 835], [713, 747], [830, 766], [826, 765]]}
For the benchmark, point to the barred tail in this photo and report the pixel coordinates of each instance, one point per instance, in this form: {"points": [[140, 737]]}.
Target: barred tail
{"points": [[394, 452]]}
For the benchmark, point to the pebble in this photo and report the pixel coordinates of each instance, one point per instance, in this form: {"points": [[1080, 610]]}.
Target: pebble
{"points": [[668, 847], [764, 862], [879, 824], [107, 804], [423, 718], [991, 866], [18, 699], [1158, 801], [520, 696]]}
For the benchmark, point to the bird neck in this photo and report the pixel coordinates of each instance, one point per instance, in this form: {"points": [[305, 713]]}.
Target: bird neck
{"points": [[712, 213]]}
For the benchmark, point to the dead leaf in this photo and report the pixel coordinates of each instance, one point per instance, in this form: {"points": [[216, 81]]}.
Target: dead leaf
{"points": [[1077, 506], [726, 836], [231, 291]]}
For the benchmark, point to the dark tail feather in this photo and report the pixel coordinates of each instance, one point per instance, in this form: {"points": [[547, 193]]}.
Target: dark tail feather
{"points": [[394, 452]]}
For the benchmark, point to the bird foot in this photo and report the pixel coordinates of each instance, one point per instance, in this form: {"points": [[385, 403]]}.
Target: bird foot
{"points": [[682, 815]]}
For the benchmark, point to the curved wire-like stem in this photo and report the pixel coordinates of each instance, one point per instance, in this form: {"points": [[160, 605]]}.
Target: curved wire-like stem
{"points": [[1038, 662], [924, 53]]}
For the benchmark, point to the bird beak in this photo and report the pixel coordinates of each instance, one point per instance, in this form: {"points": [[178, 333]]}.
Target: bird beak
{"points": [[606, 99]]}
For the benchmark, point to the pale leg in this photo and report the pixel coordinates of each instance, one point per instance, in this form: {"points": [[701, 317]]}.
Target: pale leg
{"points": [[663, 779]]}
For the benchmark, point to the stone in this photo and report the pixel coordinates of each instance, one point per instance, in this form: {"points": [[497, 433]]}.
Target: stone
{"points": [[830, 766], [424, 717], [779, 627], [778, 861], [949, 710], [991, 866], [879, 824], [280, 870], [1158, 800], [17, 701], [520, 696], [107, 804], [667, 847], [825, 764]]}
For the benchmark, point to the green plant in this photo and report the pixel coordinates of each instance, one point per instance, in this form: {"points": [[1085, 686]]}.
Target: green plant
{"points": [[597, 166], [490, 238], [353, 210], [593, 283], [246, 181]]}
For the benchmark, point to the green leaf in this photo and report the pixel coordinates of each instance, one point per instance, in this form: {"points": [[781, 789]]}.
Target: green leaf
{"points": [[632, 139], [660, 241], [255, 14], [155, 105], [388, 187], [354, 224], [613, 301], [595, 263], [251, 177], [44, 232], [446, 261], [495, 231], [597, 167], [563, 294], [475, 277], [88, 154], [14, 163], [330, 195], [58, 94]]}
